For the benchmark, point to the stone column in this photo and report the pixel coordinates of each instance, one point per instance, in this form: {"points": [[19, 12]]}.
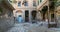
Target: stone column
{"points": [[23, 15]]}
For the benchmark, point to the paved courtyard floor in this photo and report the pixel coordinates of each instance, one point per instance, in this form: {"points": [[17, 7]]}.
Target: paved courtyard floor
{"points": [[29, 27]]}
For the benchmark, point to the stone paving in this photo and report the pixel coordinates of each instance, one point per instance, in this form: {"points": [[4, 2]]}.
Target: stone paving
{"points": [[29, 27], [25, 27]]}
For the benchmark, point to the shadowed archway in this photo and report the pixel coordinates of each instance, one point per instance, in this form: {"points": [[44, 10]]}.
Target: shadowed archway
{"points": [[33, 14], [43, 11]]}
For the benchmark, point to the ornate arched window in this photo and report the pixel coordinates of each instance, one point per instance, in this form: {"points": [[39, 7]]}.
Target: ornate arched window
{"points": [[19, 3], [39, 1], [12, 1], [34, 2], [25, 3]]}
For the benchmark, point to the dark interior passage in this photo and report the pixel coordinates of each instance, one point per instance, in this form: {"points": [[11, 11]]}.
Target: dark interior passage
{"points": [[26, 16], [33, 15]]}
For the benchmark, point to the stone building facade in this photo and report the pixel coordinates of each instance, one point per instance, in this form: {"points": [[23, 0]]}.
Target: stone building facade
{"points": [[25, 8]]}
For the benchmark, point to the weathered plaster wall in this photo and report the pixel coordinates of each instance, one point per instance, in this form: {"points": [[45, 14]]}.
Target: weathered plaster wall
{"points": [[5, 21]]}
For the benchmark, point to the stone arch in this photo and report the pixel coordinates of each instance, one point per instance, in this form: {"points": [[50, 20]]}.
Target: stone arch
{"points": [[44, 12], [18, 11], [33, 13]]}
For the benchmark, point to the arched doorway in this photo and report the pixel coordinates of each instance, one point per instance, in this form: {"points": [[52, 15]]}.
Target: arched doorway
{"points": [[18, 12], [52, 17], [33, 13], [43, 12]]}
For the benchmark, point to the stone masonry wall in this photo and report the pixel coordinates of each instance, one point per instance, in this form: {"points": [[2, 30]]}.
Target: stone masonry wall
{"points": [[6, 23]]}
